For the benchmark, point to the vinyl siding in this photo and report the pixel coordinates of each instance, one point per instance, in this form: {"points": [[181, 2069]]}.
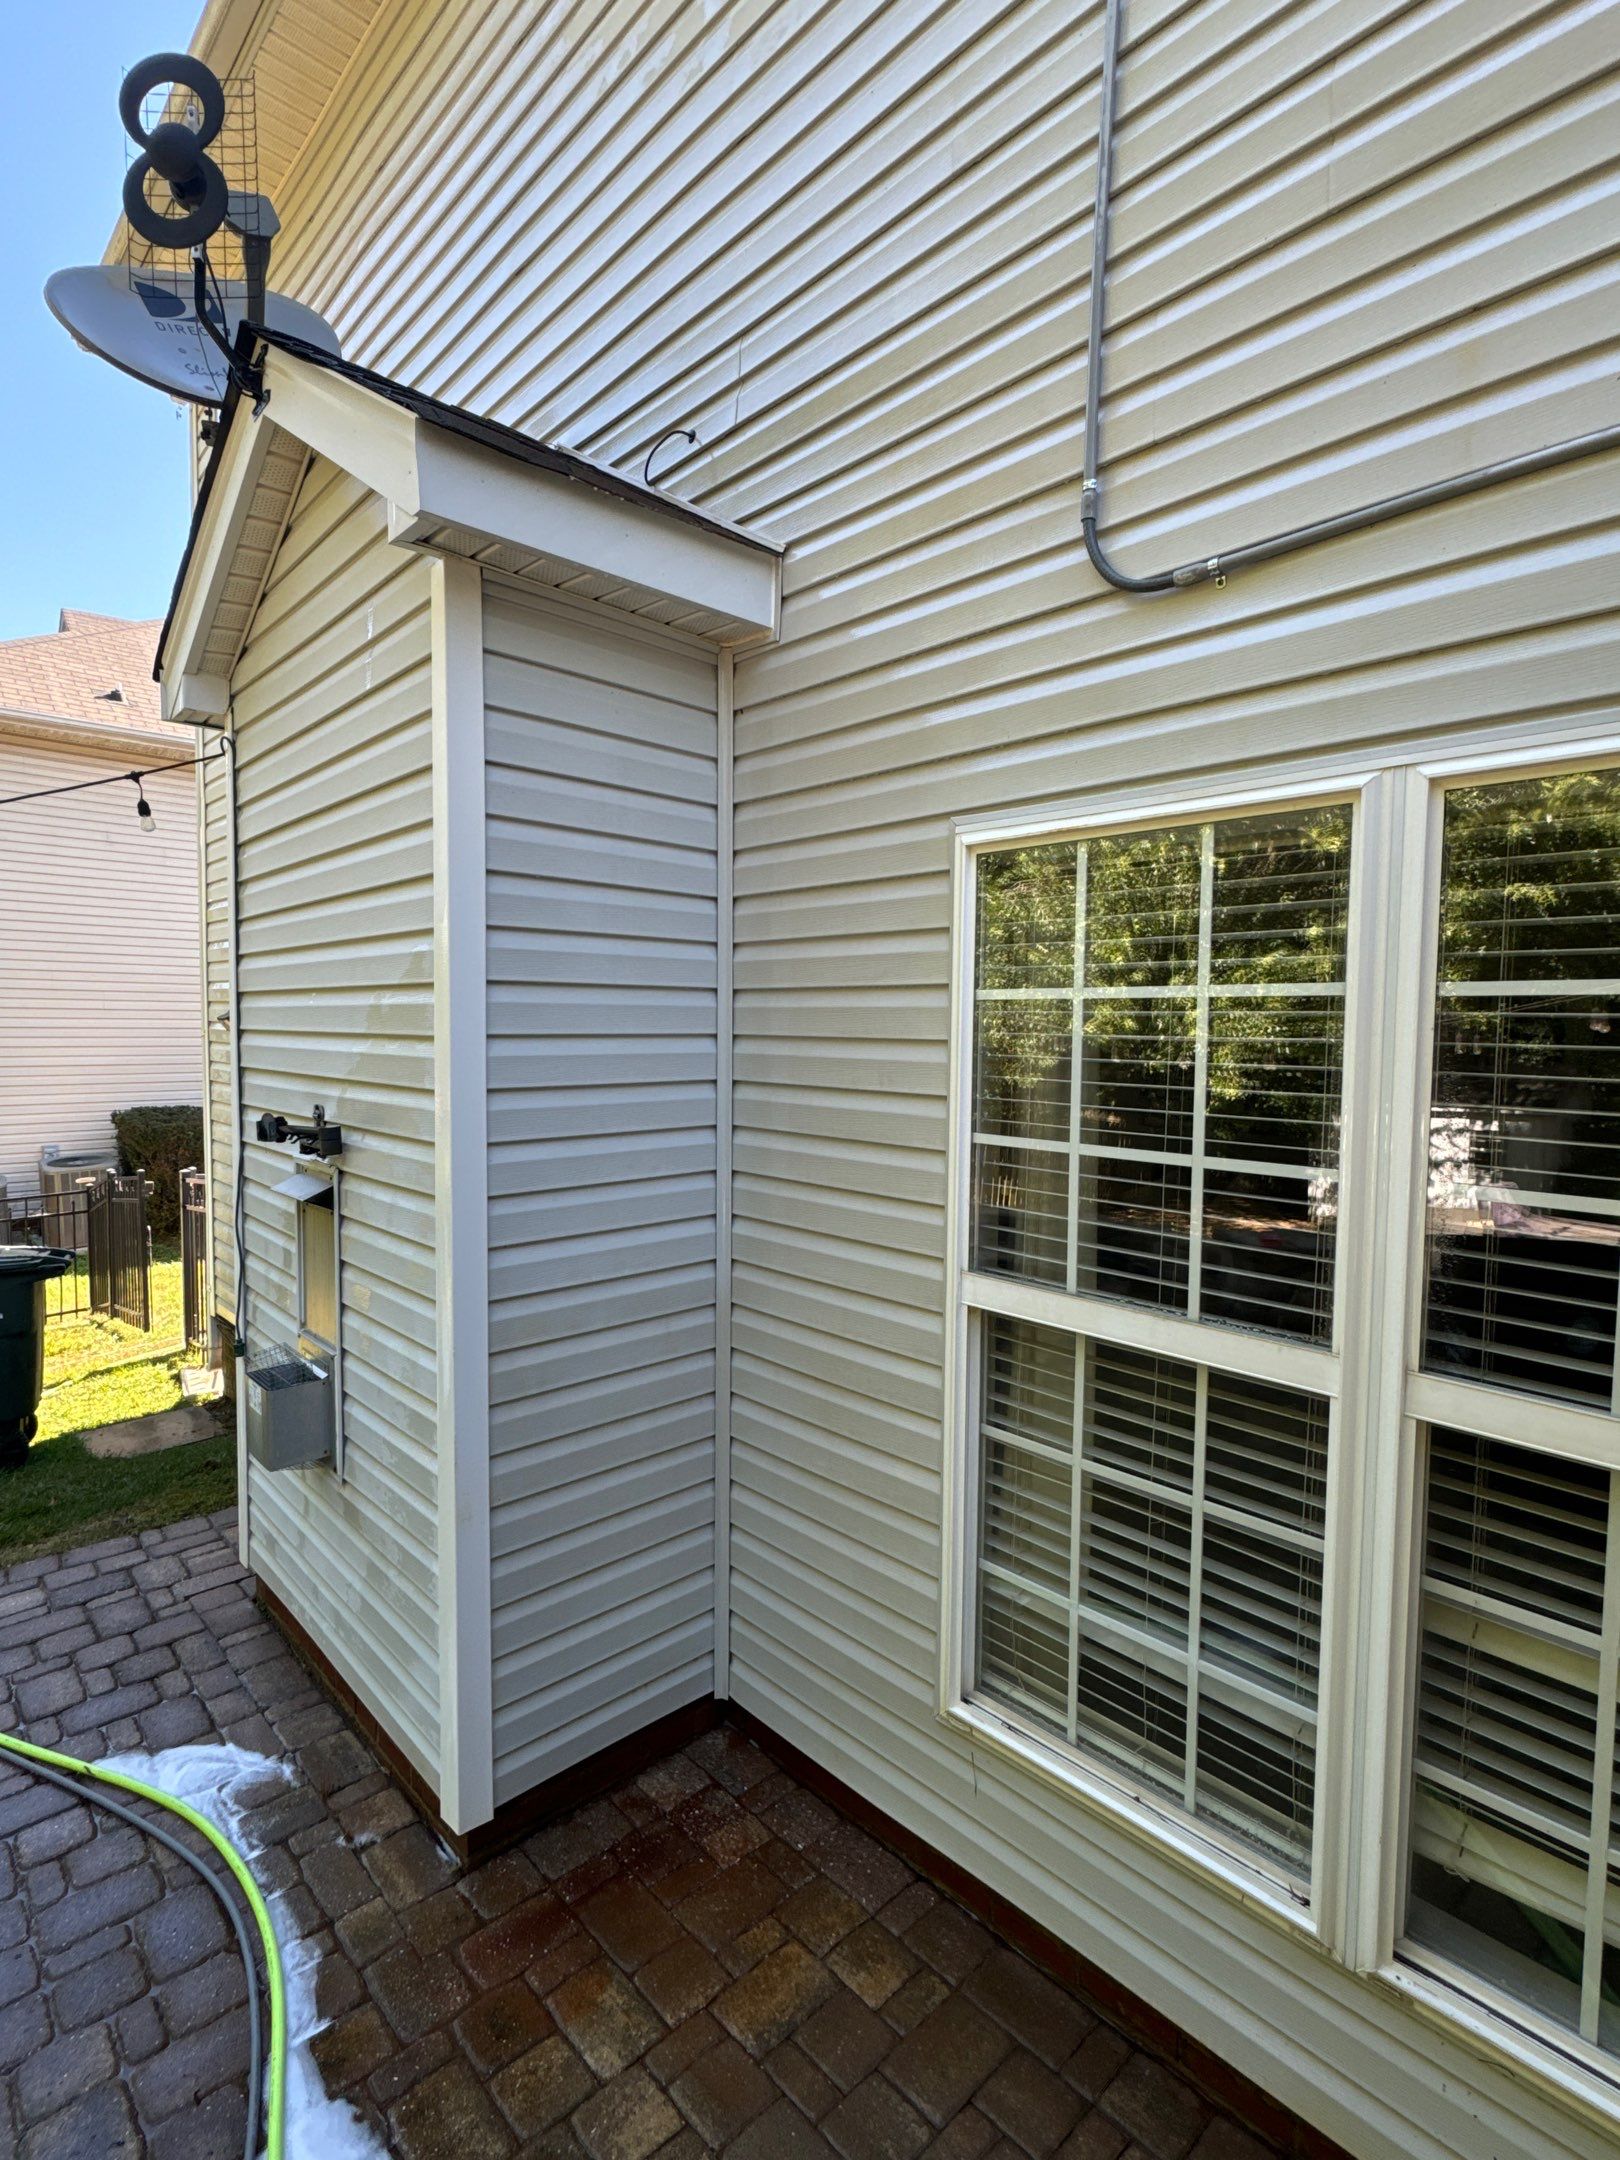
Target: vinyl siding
{"points": [[100, 1003], [1360, 244], [600, 822], [334, 806]]}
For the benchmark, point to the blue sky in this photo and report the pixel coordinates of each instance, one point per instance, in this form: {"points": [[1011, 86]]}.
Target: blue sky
{"points": [[92, 464]]}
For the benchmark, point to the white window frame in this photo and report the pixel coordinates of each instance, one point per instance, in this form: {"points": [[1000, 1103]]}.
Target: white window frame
{"points": [[1419, 1400], [1318, 1367], [1379, 1398]]}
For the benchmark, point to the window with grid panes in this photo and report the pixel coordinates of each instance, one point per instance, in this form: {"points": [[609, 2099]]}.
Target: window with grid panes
{"points": [[1157, 1074], [1515, 1840], [1157, 1078]]}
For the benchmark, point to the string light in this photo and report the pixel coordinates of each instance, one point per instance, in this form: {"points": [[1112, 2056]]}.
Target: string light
{"points": [[143, 809]]}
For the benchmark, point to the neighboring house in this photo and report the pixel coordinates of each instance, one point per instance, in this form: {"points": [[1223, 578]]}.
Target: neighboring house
{"points": [[100, 967], [886, 1081]]}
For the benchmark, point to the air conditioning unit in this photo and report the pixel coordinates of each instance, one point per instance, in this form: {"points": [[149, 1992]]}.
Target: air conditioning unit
{"points": [[291, 1408], [64, 1181]]}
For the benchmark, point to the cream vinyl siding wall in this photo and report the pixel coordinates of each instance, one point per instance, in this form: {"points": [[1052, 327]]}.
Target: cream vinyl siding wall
{"points": [[100, 1002], [600, 822], [1359, 245], [334, 802]]}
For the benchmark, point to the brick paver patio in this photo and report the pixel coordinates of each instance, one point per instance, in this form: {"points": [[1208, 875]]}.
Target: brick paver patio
{"points": [[709, 1958]]}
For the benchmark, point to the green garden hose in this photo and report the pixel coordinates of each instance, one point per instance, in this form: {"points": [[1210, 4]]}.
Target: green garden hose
{"points": [[62, 1770]]}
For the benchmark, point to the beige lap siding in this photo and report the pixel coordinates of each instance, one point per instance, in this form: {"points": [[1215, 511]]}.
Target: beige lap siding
{"points": [[331, 702], [600, 809], [1360, 244], [99, 998]]}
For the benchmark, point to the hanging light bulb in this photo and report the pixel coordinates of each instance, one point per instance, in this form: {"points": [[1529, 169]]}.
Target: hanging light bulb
{"points": [[143, 809]]}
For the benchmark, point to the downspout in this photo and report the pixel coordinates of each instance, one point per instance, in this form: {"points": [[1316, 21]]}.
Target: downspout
{"points": [[1214, 569]]}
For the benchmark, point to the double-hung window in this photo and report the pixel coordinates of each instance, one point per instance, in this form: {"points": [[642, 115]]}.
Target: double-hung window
{"points": [[1288, 1238]]}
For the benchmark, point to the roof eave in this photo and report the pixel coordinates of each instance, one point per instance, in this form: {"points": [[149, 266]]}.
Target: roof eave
{"points": [[452, 484]]}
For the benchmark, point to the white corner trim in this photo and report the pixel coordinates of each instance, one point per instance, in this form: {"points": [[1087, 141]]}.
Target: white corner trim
{"points": [[723, 1116], [461, 1174], [244, 1462]]}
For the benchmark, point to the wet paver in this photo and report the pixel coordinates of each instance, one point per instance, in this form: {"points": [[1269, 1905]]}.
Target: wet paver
{"points": [[709, 1958]]}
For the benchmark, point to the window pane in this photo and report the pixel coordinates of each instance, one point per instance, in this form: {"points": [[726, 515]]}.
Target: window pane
{"points": [[1142, 909], [1137, 1073], [1281, 897], [1131, 1237], [1020, 1213], [1026, 919], [1187, 1083], [1023, 1071], [1524, 1127], [1275, 1079], [1512, 1723], [1178, 1605], [1268, 1253]]}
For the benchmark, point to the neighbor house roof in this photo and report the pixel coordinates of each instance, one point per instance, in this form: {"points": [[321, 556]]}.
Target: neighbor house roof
{"points": [[92, 673]]}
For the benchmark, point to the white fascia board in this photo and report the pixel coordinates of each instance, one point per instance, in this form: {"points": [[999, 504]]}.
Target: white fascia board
{"points": [[365, 434], [213, 557], [466, 484]]}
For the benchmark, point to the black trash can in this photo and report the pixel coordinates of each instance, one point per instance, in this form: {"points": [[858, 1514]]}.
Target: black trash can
{"points": [[24, 1272]]}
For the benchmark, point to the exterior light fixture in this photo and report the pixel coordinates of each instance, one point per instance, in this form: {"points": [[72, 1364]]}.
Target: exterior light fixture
{"points": [[143, 809]]}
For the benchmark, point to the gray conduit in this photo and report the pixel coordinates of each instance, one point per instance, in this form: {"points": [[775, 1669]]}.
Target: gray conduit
{"points": [[1215, 568]]}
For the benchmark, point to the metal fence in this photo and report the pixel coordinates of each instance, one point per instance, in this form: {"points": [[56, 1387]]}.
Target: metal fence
{"points": [[194, 1257], [102, 1221], [120, 1251], [60, 1219]]}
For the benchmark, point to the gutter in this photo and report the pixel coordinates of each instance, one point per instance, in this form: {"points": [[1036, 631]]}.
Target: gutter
{"points": [[56, 730], [1215, 569]]}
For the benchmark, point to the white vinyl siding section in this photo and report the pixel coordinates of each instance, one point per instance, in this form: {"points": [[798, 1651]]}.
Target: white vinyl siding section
{"points": [[331, 705], [600, 850], [100, 1003], [1358, 246]]}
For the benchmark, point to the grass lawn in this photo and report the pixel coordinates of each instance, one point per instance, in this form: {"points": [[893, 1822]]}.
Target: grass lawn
{"points": [[96, 1373]]}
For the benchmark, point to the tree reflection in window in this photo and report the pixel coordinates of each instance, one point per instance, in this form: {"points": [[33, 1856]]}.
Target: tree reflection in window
{"points": [[1158, 1065]]}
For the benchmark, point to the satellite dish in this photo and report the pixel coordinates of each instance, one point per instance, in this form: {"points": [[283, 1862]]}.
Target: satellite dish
{"points": [[151, 331]]}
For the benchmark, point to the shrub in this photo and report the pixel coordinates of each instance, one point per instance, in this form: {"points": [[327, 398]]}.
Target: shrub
{"points": [[162, 1139]]}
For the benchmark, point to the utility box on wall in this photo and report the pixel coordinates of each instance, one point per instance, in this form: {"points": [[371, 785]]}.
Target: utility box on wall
{"points": [[291, 1408]]}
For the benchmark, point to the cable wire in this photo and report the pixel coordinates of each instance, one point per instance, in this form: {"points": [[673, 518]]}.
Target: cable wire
{"points": [[77, 787], [65, 1771]]}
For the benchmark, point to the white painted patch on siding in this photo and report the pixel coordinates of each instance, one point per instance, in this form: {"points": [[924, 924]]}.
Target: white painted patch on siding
{"points": [[335, 872], [600, 805], [99, 998], [1360, 245]]}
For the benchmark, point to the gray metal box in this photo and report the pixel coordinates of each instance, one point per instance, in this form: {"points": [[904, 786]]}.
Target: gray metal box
{"points": [[290, 1408]]}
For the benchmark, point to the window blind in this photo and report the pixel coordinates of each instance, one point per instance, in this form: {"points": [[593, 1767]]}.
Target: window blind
{"points": [[1158, 1055], [1515, 1868], [1150, 1570]]}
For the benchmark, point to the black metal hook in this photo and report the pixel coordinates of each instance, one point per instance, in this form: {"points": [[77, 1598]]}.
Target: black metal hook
{"points": [[669, 435]]}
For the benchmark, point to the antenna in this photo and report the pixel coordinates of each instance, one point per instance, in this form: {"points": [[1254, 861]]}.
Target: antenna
{"points": [[192, 181]]}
